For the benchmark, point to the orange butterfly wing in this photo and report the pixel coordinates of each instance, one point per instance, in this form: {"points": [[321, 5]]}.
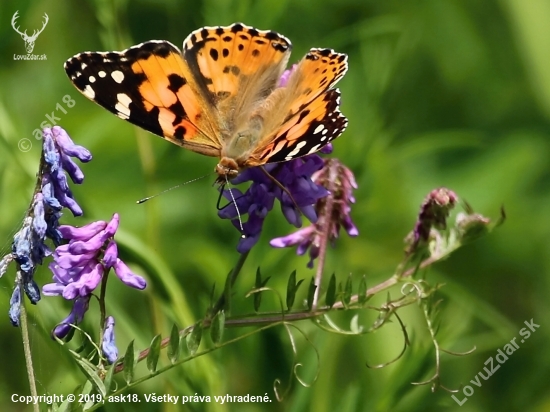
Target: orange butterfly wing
{"points": [[150, 86]]}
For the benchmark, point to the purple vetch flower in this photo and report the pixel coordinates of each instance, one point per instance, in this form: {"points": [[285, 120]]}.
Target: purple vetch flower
{"points": [[433, 213], [258, 200], [52, 193], [333, 211], [108, 346], [15, 306], [80, 265], [58, 148], [64, 329]]}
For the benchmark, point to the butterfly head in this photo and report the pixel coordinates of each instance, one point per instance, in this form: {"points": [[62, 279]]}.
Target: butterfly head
{"points": [[226, 169]]}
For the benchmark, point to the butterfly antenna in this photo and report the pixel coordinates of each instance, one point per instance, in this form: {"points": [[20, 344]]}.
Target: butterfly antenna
{"points": [[284, 189], [139, 202], [236, 207]]}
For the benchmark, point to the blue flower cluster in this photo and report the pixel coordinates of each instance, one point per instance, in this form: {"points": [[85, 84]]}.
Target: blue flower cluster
{"points": [[42, 221], [333, 211], [80, 265], [299, 197]]}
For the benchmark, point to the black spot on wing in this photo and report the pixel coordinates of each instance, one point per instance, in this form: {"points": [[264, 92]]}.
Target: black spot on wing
{"points": [[214, 54], [176, 82]]}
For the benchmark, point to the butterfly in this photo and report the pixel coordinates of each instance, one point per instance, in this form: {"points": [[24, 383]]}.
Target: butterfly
{"points": [[226, 95]]}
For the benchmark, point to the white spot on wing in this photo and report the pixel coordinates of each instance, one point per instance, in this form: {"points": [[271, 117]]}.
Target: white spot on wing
{"points": [[318, 129], [83, 66], [101, 73], [296, 150], [91, 79], [314, 149], [89, 92], [117, 76], [122, 105]]}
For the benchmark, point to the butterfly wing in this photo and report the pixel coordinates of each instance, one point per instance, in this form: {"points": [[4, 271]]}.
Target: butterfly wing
{"points": [[236, 66], [151, 86], [303, 116]]}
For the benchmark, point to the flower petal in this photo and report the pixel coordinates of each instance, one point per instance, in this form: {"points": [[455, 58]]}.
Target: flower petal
{"points": [[82, 233], [127, 276], [108, 346]]}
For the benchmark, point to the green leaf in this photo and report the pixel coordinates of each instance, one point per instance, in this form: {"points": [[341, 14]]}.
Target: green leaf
{"points": [[129, 363], [217, 327], [311, 293], [212, 297], [362, 292], [291, 289], [194, 338], [257, 295], [86, 390], [109, 379], [257, 285], [330, 297], [90, 371], [174, 344], [154, 353], [346, 299]]}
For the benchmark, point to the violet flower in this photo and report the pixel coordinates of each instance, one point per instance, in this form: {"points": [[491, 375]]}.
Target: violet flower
{"points": [[333, 212], [51, 195], [79, 266], [108, 346], [433, 214], [64, 329], [258, 200]]}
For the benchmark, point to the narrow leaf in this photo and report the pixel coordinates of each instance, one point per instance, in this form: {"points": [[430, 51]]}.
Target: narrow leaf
{"points": [[91, 373], [109, 379], [217, 327], [347, 291], [212, 295], [257, 295], [311, 294], [291, 290], [330, 297], [174, 344], [129, 363], [194, 338], [154, 353], [362, 292]]}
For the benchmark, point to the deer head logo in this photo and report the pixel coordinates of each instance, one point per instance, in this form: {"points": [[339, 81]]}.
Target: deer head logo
{"points": [[29, 40]]}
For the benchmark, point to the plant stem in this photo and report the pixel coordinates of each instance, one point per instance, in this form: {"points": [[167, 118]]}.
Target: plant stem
{"points": [[102, 311], [327, 211], [277, 317], [27, 350]]}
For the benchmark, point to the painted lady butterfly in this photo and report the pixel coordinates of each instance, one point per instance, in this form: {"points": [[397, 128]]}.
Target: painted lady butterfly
{"points": [[221, 97]]}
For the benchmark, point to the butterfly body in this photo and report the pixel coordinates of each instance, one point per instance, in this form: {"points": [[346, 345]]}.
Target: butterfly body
{"points": [[223, 95]]}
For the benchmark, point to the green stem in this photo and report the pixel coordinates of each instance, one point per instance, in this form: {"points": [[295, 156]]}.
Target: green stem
{"points": [[102, 311], [27, 348], [232, 278], [276, 317]]}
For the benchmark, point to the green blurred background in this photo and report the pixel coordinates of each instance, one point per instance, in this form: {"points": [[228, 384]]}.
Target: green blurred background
{"points": [[451, 93]]}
